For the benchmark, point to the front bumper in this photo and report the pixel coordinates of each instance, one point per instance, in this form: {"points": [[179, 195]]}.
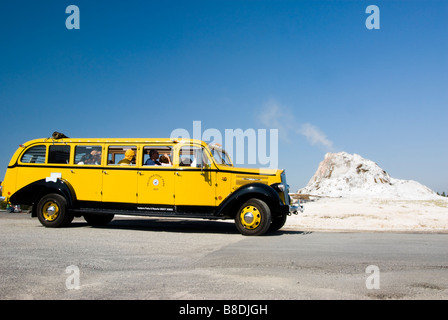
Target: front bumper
{"points": [[295, 208]]}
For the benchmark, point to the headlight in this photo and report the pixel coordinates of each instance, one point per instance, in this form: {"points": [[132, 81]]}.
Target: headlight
{"points": [[280, 187]]}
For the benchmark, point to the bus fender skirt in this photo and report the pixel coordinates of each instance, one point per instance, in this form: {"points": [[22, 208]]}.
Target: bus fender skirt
{"points": [[32, 193]]}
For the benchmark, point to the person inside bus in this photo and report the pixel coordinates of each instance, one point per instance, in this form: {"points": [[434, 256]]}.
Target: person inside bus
{"points": [[165, 160], [94, 158], [153, 158], [129, 158]]}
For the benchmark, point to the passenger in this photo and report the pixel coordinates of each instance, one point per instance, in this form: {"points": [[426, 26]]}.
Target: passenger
{"points": [[94, 158], [129, 157], [165, 160], [83, 160], [153, 156]]}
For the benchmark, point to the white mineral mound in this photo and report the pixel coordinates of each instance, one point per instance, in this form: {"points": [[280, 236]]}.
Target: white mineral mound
{"points": [[350, 175]]}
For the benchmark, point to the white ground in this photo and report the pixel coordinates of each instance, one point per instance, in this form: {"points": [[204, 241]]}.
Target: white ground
{"points": [[370, 214]]}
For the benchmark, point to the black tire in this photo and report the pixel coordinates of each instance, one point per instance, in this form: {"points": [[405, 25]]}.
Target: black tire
{"points": [[52, 211], [97, 220], [278, 222], [253, 218]]}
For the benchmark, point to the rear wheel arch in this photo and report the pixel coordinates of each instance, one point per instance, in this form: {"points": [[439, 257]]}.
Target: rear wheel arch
{"points": [[47, 192], [34, 192]]}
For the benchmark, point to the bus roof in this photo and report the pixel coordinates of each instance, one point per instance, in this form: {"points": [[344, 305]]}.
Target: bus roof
{"points": [[113, 140]]}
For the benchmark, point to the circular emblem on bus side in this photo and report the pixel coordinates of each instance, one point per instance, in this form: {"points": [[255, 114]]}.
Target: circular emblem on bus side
{"points": [[155, 182]]}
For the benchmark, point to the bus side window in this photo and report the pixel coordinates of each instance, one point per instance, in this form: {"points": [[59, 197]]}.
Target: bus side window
{"points": [[34, 154], [163, 154], [88, 155], [190, 156], [59, 154], [121, 155]]}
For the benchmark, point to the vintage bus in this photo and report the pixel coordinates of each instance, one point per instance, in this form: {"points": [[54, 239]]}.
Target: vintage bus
{"points": [[96, 179]]}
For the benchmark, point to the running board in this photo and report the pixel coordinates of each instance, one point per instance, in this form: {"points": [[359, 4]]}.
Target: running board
{"points": [[147, 213]]}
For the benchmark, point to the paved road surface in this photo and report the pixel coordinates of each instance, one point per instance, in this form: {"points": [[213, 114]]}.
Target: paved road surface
{"points": [[151, 258]]}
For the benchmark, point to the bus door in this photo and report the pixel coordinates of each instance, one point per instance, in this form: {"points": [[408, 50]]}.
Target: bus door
{"points": [[156, 179], [86, 174], [194, 181], [120, 175]]}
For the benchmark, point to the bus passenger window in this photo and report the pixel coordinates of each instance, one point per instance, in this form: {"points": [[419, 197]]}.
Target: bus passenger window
{"points": [[59, 154], [190, 156], [157, 156], [121, 155], [88, 155], [34, 155]]}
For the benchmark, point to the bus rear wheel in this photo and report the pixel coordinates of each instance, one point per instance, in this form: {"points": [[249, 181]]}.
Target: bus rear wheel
{"points": [[52, 211]]}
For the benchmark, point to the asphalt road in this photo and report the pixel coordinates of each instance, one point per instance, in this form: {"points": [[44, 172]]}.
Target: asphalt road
{"points": [[151, 258]]}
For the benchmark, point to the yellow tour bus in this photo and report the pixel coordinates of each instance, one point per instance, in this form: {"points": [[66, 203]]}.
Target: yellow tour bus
{"points": [[62, 178]]}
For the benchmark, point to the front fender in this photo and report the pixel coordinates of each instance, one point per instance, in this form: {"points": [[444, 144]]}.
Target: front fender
{"points": [[33, 192], [235, 200]]}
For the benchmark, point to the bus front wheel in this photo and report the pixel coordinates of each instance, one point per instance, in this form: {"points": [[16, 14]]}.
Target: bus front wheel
{"points": [[253, 218]]}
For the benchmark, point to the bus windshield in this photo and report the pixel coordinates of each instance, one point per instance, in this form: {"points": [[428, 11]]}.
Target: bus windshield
{"points": [[220, 155]]}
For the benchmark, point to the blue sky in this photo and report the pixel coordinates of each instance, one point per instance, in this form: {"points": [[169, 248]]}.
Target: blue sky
{"points": [[145, 68]]}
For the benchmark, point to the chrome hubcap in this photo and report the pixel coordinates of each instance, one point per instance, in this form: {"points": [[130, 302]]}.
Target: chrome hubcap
{"points": [[51, 210], [248, 217]]}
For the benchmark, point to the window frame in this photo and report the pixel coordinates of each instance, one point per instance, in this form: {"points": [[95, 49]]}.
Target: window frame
{"points": [[87, 146], [49, 155], [162, 149], [124, 147], [204, 153], [34, 163]]}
